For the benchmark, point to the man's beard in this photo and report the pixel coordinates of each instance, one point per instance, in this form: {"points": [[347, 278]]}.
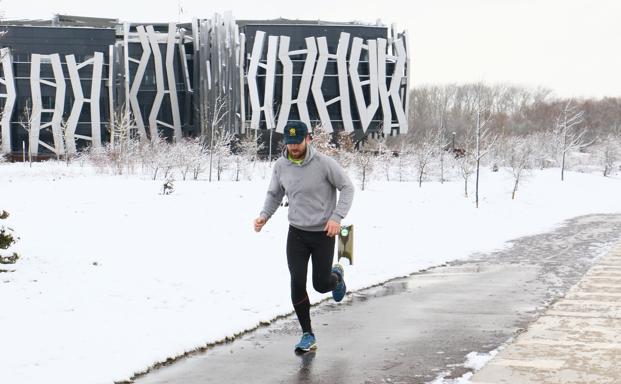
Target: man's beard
{"points": [[298, 154]]}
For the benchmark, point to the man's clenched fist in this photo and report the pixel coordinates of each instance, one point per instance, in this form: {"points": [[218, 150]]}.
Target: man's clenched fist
{"points": [[259, 222]]}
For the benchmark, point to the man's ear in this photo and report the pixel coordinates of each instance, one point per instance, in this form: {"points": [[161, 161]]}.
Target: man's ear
{"points": [[309, 138]]}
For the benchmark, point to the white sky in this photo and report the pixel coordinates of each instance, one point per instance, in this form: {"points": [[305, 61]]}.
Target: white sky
{"points": [[570, 46]]}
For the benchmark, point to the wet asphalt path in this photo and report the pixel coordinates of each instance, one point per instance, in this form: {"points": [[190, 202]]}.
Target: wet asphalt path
{"points": [[415, 329]]}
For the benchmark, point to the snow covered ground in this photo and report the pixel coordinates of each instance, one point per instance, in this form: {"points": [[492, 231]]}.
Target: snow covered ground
{"points": [[115, 276]]}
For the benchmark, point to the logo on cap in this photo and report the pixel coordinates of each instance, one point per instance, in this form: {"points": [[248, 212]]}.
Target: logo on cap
{"points": [[291, 131]]}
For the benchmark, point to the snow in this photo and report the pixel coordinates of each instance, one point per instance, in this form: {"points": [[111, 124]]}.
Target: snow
{"points": [[115, 276], [474, 361]]}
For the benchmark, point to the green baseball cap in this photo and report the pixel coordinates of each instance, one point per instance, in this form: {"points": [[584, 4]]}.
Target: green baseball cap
{"points": [[295, 132]]}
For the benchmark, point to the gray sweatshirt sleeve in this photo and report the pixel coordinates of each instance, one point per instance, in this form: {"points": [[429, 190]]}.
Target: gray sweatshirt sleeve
{"points": [[275, 193], [339, 178]]}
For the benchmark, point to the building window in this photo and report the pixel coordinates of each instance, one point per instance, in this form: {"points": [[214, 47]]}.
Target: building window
{"points": [[47, 102], [21, 58]]}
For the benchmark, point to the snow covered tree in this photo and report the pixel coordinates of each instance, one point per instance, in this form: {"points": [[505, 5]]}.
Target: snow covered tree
{"points": [[483, 139], [248, 149], [220, 152], [338, 145], [364, 161], [216, 134], [569, 136], [519, 158], [544, 148], [384, 157], [122, 147], [345, 149], [443, 145], [404, 161], [177, 158], [155, 155], [423, 150], [465, 166], [608, 153], [323, 141], [7, 239], [198, 157], [237, 158], [185, 159], [25, 121]]}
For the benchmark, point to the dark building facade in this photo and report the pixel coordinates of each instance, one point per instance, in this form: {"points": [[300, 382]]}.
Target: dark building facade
{"points": [[42, 79], [72, 82]]}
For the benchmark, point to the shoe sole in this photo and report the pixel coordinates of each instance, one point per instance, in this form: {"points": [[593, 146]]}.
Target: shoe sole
{"points": [[312, 347]]}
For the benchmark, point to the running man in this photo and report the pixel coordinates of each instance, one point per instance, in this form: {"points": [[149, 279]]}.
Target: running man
{"points": [[310, 180]]}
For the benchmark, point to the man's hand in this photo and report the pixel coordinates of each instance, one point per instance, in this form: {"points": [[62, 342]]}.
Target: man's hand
{"points": [[259, 222], [332, 228]]}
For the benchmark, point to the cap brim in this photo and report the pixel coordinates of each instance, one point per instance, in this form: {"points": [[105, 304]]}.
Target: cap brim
{"points": [[293, 140]]}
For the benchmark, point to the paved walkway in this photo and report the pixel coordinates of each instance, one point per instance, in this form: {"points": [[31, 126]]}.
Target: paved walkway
{"points": [[414, 330], [577, 340]]}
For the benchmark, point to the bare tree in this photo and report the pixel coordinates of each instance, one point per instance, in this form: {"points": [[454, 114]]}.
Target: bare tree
{"points": [[483, 140], [483, 144], [345, 149], [156, 153], [221, 150], [364, 160], [543, 145], [249, 147], [466, 167], [609, 153], [177, 158], [26, 123], [198, 157], [216, 126], [122, 147], [323, 141], [443, 145], [404, 160], [519, 158], [569, 136], [65, 142], [185, 154], [238, 161], [423, 151], [121, 124], [384, 157]]}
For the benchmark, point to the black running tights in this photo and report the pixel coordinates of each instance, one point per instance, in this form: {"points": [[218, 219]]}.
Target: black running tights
{"points": [[302, 245]]}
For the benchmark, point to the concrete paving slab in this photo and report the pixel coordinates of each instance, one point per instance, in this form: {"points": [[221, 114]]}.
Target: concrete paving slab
{"points": [[577, 340]]}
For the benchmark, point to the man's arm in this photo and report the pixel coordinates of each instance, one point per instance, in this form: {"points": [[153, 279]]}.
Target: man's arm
{"points": [[339, 178], [275, 193]]}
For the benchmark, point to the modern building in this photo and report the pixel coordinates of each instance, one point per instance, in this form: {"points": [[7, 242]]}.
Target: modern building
{"points": [[73, 82]]}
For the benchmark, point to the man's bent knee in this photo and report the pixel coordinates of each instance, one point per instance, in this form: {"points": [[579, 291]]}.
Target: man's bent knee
{"points": [[322, 286]]}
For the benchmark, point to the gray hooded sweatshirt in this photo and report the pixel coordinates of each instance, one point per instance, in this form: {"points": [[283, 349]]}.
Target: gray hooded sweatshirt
{"points": [[311, 189]]}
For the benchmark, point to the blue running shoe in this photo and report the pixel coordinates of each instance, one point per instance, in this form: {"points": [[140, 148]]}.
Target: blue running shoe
{"points": [[307, 342], [339, 292]]}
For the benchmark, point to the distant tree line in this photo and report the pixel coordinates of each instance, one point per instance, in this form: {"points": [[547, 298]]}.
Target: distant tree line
{"points": [[512, 110]]}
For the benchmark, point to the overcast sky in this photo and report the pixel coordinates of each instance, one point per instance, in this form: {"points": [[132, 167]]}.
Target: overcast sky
{"points": [[570, 46]]}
